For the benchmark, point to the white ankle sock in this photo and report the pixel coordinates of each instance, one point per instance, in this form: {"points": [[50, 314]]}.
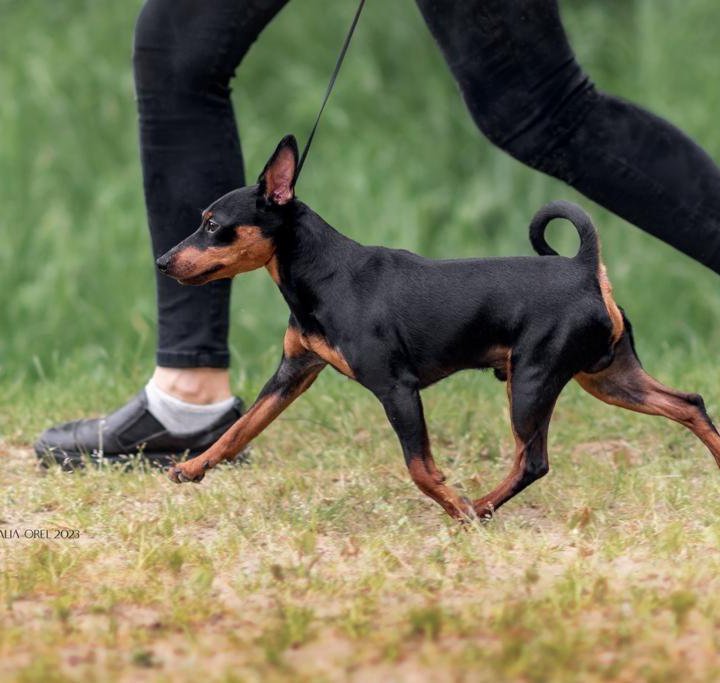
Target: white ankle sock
{"points": [[181, 417]]}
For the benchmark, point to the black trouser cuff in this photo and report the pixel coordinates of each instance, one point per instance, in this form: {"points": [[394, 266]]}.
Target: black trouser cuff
{"points": [[201, 359]]}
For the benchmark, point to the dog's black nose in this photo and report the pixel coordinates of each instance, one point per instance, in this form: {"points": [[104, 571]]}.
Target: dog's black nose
{"points": [[162, 264]]}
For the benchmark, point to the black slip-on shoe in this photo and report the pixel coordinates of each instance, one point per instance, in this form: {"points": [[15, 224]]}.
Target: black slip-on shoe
{"points": [[130, 432]]}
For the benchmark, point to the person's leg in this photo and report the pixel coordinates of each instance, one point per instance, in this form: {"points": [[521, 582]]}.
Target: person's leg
{"points": [[529, 96], [185, 53]]}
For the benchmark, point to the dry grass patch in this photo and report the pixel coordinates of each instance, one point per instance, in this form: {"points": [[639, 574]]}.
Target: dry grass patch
{"points": [[320, 561]]}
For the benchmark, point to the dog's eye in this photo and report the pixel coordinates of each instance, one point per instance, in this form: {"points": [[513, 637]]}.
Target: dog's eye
{"points": [[212, 226]]}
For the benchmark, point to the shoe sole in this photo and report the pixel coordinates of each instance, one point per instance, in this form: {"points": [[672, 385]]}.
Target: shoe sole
{"points": [[69, 461]]}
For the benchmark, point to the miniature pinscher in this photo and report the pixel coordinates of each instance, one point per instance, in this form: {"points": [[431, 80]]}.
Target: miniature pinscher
{"points": [[396, 322]]}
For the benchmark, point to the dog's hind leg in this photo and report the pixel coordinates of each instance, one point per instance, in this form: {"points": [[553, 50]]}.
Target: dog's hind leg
{"points": [[405, 412], [624, 383], [532, 392]]}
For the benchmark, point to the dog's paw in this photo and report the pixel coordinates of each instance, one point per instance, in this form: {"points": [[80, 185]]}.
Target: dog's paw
{"points": [[464, 513], [485, 512], [179, 476], [467, 509]]}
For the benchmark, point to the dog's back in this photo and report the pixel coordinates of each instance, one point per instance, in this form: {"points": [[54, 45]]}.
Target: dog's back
{"points": [[449, 315]]}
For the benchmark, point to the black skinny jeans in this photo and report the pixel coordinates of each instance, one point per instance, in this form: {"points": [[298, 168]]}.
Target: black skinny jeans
{"points": [[522, 85]]}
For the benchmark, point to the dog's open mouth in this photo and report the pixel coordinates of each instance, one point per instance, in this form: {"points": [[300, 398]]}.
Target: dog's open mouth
{"points": [[202, 278]]}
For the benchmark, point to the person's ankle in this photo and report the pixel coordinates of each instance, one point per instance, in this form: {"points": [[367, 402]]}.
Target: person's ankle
{"points": [[194, 385]]}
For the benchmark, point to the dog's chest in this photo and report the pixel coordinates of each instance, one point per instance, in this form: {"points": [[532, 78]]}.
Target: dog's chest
{"points": [[330, 354]]}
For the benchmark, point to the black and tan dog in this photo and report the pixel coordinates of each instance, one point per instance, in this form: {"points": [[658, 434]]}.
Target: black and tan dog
{"points": [[397, 322]]}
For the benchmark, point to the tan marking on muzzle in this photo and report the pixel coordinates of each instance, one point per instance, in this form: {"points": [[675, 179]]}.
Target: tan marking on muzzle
{"points": [[249, 250]]}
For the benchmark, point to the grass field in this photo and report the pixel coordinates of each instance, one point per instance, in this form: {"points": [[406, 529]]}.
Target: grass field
{"points": [[319, 560]]}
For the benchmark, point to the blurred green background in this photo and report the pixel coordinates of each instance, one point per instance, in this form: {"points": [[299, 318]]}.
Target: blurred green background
{"points": [[397, 161]]}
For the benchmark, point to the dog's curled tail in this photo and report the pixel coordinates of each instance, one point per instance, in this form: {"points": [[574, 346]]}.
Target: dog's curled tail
{"points": [[589, 250]]}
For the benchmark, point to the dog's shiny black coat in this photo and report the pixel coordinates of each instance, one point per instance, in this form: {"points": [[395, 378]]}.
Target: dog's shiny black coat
{"points": [[399, 322], [399, 317]]}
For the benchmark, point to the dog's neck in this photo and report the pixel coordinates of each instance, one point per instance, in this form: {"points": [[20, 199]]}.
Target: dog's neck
{"points": [[309, 254]]}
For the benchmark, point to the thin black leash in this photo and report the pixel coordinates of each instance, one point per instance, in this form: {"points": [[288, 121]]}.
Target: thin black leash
{"points": [[330, 87]]}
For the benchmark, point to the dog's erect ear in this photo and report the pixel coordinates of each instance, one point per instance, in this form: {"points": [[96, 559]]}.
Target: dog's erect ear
{"points": [[277, 181]]}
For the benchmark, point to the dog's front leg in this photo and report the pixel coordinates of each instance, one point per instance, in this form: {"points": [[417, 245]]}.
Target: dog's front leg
{"points": [[403, 407], [296, 372]]}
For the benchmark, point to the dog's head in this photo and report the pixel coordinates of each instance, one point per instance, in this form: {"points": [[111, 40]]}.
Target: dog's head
{"points": [[237, 231]]}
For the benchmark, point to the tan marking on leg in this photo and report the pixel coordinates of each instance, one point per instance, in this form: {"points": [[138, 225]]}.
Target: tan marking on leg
{"points": [[624, 383], [235, 439], [329, 354], [293, 345], [508, 487], [274, 269], [485, 506], [497, 357], [257, 418], [616, 318], [431, 481]]}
